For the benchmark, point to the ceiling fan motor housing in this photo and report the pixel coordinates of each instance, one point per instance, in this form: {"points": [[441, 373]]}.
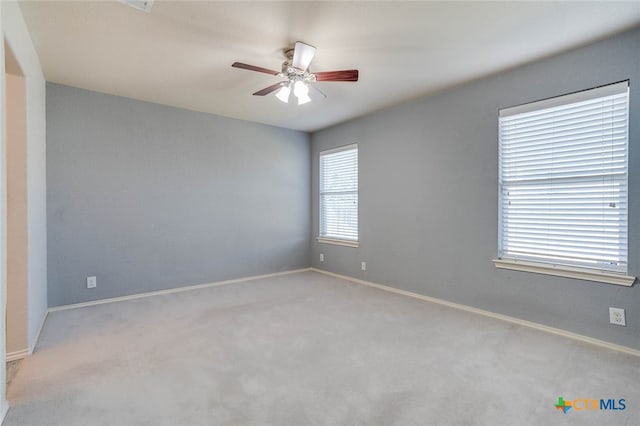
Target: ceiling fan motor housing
{"points": [[292, 73], [295, 69]]}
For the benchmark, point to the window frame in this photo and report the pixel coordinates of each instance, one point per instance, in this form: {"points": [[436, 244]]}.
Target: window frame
{"points": [[553, 267], [331, 239]]}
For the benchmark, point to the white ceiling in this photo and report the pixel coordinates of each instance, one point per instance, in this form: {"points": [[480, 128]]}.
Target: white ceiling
{"points": [[181, 53]]}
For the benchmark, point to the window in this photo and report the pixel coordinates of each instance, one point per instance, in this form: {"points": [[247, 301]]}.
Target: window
{"points": [[563, 185], [339, 196]]}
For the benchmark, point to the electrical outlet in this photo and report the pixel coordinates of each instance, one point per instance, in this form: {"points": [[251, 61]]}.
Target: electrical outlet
{"points": [[616, 316], [91, 282], [363, 266], [321, 257]]}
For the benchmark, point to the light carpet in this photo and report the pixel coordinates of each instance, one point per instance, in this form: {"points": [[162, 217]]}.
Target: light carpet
{"points": [[308, 349]]}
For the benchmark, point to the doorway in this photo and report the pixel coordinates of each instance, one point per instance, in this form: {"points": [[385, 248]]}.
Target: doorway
{"points": [[16, 338]]}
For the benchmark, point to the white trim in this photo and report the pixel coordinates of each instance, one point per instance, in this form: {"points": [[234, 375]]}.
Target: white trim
{"points": [[565, 271], [12, 356], [583, 95], [35, 341], [173, 290], [513, 320], [338, 149], [337, 242]]}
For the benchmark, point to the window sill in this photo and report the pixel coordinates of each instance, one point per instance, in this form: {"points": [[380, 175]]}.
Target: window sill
{"points": [[346, 243], [565, 271]]}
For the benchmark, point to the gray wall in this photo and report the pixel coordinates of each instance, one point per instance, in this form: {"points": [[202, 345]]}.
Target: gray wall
{"points": [[429, 196], [148, 197]]}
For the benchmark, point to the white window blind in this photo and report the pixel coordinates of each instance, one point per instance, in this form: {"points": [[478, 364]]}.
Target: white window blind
{"points": [[563, 180], [339, 193]]}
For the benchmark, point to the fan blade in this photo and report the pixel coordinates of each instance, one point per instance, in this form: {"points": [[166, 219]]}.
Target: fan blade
{"points": [[303, 55], [345, 75], [254, 68], [314, 92], [271, 88]]}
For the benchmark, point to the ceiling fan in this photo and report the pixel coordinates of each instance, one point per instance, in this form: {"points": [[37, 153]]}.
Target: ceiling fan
{"points": [[295, 69]]}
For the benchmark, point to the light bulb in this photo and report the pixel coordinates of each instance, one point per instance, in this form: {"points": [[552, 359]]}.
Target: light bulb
{"points": [[303, 99], [301, 91], [283, 94], [300, 88]]}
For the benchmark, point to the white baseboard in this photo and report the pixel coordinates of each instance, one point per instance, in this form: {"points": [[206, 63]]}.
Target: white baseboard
{"points": [[174, 290], [514, 320], [35, 341], [12, 356]]}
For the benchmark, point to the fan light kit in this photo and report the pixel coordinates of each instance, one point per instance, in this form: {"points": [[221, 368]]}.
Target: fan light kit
{"points": [[297, 88]]}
